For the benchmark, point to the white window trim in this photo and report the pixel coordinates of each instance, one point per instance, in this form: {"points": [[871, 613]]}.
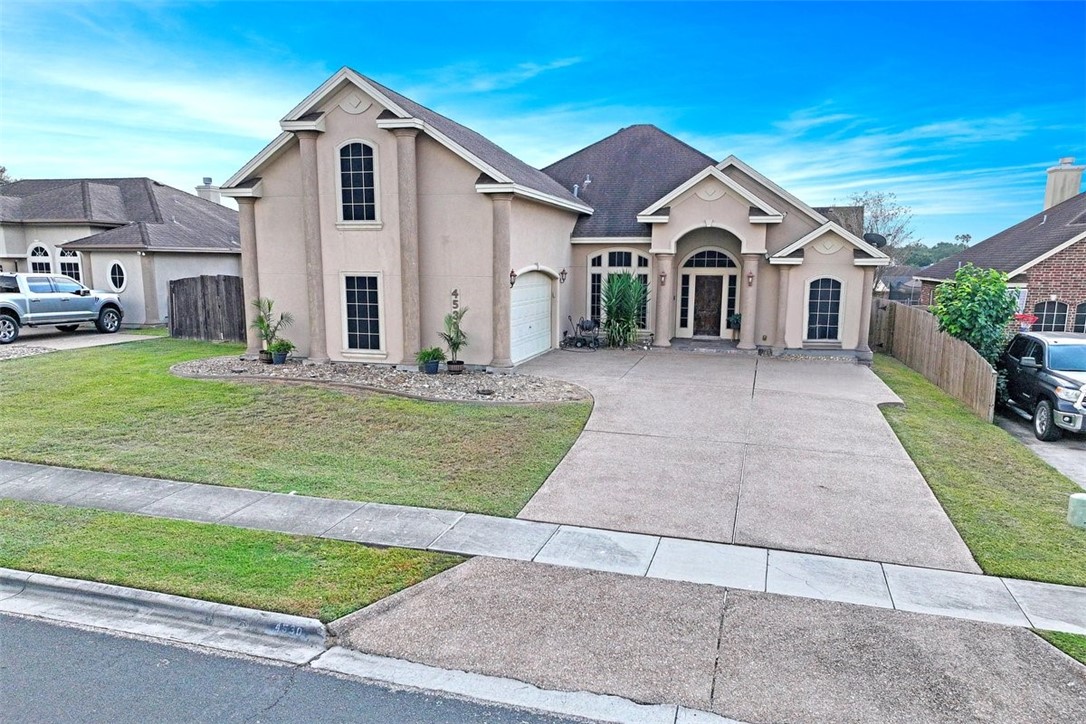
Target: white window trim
{"points": [[109, 276], [343, 224], [382, 318], [605, 270], [694, 272], [48, 257], [77, 259], [807, 309]]}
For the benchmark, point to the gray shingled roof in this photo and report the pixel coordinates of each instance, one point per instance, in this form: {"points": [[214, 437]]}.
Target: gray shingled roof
{"points": [[481, 147], [1017, 246], [146, 214], [630, 170]]}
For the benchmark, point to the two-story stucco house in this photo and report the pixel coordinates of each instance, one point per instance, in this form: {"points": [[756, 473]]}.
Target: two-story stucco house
{"points": [[371, 214]]}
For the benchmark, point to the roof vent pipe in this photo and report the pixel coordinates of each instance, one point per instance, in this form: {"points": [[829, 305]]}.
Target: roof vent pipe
{"points": [[576, 189]]}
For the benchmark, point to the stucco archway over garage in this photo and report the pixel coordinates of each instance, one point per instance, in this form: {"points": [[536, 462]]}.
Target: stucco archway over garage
{"points": [[531, 316]]}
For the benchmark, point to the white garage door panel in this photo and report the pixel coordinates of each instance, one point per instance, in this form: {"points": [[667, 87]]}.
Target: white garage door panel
{"points": [[530, 316]]}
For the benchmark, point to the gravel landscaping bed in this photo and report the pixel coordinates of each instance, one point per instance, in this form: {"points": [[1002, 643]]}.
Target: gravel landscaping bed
{"points": [[11, 351], [471, 386]]}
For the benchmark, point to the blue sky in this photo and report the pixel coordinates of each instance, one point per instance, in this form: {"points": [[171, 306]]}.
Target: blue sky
{"points": [[956, 108]]}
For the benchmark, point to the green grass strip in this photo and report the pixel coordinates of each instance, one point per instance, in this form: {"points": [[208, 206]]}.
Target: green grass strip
{"points": [[1009, 506], [1073, 645], [118, 409], [314, 577]]}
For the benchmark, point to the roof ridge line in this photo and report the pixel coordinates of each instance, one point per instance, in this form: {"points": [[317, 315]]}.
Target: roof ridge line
{"points": [[154, 202], [84, 187]]}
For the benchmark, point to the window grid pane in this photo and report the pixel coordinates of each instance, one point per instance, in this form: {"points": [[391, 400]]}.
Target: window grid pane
{"points": [[596, 286], [69, 264], [116, 276], [643, 312], [1051, 317], [358, 193], [823, 309], [733, 291], [1080, 318], [684, 300], [40, 262], [709, 259], [363, 313]]}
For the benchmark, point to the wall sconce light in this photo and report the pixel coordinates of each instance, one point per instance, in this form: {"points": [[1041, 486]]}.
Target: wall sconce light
{"points": [[750, 278], [562, 277], [663, 277], [512, 277]]}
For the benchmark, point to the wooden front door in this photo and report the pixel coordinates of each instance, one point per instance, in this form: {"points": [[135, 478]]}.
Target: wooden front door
{"points": [[708, 294]]}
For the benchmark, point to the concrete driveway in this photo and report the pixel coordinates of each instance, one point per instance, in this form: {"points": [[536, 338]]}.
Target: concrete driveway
{"points": [[50, 339], [792, 455], [1068, 454]]}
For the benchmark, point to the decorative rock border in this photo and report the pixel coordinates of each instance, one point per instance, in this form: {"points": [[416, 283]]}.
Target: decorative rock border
{"points": [[471, 386]]}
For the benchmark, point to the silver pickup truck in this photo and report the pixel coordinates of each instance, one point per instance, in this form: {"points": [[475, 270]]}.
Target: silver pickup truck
{"points": [[40, 300]]}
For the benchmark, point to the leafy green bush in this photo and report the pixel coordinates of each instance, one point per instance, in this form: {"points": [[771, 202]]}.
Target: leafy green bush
{"points": [[975, 306], [624, 296]]}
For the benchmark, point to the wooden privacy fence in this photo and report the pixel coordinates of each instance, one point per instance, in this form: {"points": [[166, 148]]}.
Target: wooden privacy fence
{"points": [[911, 334], [207, 307]]}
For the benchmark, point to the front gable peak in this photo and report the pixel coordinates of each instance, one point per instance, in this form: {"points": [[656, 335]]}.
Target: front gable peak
{"points": [[760, 210], [828, 239]]}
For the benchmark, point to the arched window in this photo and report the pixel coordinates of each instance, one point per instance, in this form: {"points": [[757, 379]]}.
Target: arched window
{"points": [[70, 264], [617, 261], [824, 309], [357, 182], [1051, 317], [117, 276], [1080, 318], [40, 261], [710, 258]]}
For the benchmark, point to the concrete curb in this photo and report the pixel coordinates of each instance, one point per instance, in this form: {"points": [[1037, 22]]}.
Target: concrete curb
{"points": [[266, 634], [509, 692]]}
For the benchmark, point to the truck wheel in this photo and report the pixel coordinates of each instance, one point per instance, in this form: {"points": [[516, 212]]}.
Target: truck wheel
{"points": [[109, 321], [67, 327], [9, 329], [1043, 427]]}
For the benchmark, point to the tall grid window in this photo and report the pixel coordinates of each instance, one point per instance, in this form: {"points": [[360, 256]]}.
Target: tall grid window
{"points": [[824, 309], [1080, 318], [1051, 317], [357, 183], [617, 262], [40, 261], [363, 313], [69, 264], [684, 301]]}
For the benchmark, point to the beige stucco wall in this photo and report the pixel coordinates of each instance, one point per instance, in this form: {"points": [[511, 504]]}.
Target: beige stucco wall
{"points": [[181, 266], [16, 240], [131, 295], [540, 239], [796, 224], [838, 265], [709, 203]]}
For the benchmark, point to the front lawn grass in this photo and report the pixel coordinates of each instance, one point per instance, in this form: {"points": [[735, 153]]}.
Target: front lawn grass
{"points": [[118, 409], [1009, 506], [1073, 645], [324, 579]]}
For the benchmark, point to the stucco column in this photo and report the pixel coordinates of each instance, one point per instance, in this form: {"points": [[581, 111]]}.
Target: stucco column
{"points": [[749, 305], [250, 277], [151, 313], [314, 261], [408, 189], [781, 342], [664, 295], [863, 350], [503, 208]]}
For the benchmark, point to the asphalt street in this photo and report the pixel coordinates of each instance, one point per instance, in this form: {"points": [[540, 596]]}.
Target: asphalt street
{"points": [[61, 674]]}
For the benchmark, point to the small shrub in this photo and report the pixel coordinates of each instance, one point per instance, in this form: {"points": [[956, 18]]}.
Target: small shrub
{"points": [[975, 307], [624, 296]]}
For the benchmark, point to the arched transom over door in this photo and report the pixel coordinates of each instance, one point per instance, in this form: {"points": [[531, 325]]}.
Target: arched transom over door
{"points": [[530, 316], [708, 294]]}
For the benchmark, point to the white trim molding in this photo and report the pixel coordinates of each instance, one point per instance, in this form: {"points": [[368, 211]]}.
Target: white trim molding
{"points": [[749, 171], [254, 191], [612, 240], [1050, 253], [516, 189], [877, 258], [382, 320], [375, 222], [315, 124], [714, 172]]}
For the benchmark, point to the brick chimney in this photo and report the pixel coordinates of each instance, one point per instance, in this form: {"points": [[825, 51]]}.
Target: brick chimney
{"points": [[211, 193], [1064, 181]]}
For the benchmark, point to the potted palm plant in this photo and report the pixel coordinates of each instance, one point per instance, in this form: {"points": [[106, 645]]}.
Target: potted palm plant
{"points": [[428, 359], [454, 339], [735, 322], [267, 326]]}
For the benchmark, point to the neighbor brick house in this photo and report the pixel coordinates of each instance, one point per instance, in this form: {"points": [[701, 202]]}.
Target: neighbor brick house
{"points": [[1044, 256], [130, 236], [371, 214]]}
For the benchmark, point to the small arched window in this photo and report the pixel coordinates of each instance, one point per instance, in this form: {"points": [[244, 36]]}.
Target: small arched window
{"points": [[40, 261], [602, 265], [117, 276], [1051, 317], [824, 309], [1080, 318], [357, 182], [710, 258], [70, 264]]}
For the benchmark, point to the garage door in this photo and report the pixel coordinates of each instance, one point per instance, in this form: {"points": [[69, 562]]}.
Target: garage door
{"points": [[530, 316]]}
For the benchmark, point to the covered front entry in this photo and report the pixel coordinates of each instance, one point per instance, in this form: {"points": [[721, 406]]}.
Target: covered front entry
{"points": [[708, 294]]}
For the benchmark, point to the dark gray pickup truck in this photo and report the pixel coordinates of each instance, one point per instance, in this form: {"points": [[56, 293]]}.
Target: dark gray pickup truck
{"points": [[1046, 381], [40, 300]]}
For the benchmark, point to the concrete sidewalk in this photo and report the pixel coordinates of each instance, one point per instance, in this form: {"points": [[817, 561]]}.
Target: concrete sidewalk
{"points": [[868, 583], [781, 454]]}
